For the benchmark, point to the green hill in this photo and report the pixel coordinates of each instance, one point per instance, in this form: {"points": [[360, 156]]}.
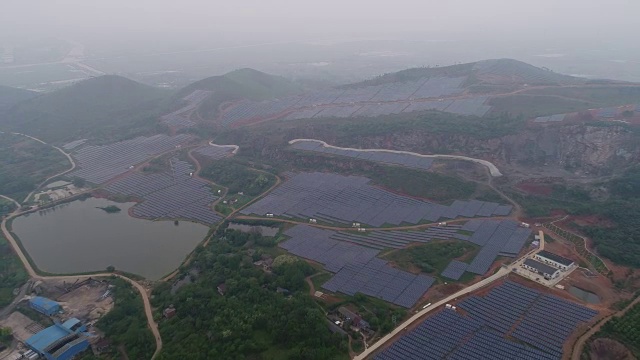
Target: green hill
{"points": [[107, 107], [485, 72], [239, 84], [10, 96]]}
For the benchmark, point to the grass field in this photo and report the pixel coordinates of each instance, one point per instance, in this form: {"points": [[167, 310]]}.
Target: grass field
{"points": [[433, 257]]}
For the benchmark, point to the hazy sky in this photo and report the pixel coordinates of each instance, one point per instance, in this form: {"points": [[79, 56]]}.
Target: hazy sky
{"points": [[294, 19]]}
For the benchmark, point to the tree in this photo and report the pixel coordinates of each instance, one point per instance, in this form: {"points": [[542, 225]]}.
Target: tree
{"points": [[79, 182], [111, 268]]}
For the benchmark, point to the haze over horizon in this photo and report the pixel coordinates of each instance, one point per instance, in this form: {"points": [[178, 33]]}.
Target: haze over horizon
{"points": [[171, 43], [294, 20]]}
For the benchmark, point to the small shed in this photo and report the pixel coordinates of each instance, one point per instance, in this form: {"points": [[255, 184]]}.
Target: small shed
{"points": [[169, 312], [222, 288]]}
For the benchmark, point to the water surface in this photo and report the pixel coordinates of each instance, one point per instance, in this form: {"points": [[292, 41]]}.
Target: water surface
{"points": [[584, 295], [79, 237]]}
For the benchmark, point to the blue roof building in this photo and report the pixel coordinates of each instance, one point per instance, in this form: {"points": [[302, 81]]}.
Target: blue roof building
{"points": [[74, 325], [57, 342], [44, 305]]}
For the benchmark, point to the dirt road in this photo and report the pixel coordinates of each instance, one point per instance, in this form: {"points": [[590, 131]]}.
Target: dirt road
{"points": [[493, 170], [582, 340]]}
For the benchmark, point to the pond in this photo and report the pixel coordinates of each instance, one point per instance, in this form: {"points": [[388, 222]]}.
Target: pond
{"points": [[79, 237], [584, 295], [56, 184]]}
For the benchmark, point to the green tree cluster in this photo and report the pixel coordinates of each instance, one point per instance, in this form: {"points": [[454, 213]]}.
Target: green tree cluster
{"points": [[126, 324], [252, 320], [238, 178]]}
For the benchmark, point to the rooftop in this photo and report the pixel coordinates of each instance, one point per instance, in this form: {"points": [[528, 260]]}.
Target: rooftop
{"points": [[542, 268], [554, 257], [43, 339], [43, 302]]}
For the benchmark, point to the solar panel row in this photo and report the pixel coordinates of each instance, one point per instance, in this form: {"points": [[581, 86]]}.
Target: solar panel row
{"points": [[349, 199], [214, 152], [180, 117], [542, 324], [170, 195], [357, 268], [368, 101], [97, 164]]}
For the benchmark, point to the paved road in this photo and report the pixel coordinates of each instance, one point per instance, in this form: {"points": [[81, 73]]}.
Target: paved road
{"points": [[234, 147], [502, 272], [492, 168]]}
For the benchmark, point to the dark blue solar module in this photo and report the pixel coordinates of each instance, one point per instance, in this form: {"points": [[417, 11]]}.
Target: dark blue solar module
{"points": [[170, 195], [454, 270], [214, 152], [347, 199], [357, 268], [542, 324], [367, 101], [181, 117], [97, 164]]}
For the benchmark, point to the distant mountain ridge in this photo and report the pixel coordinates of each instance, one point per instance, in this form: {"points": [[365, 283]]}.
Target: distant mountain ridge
{"points": [[101, 106], [239, 84], [493, 71]]}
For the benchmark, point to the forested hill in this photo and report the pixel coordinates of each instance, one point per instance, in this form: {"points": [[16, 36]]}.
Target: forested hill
{"points": [[494, 71], [10, 96], [106, 107], [249, 83], [245, 83]]}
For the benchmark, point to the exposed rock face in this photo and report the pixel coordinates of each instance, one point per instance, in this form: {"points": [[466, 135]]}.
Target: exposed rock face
{"points": [[579, 148]]}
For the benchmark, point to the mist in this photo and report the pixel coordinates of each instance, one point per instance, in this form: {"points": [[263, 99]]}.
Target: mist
{"points": [[348, 40]]}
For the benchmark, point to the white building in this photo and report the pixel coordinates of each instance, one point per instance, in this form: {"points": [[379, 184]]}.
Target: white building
{"points": [[548, 272], [554, 260]]}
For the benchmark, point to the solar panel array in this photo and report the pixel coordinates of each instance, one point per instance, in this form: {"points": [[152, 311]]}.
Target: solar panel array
{"points": [[542, 323], [316, 244], [345, 199], [504, 238], [382, 281], [399, 239], [357, 268], [180, 117], [454, 270], [527, 73], [381, 156], [367, 101], [169, 195], [551, 118], [608, 112], [214, 152], [74, 144], [97, 164]]}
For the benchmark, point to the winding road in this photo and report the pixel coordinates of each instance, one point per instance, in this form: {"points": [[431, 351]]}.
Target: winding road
{"points": [[144, 293], [493, 170]]}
